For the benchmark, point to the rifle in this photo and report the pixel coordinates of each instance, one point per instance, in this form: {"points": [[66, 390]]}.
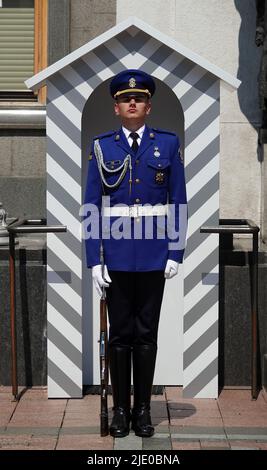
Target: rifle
{"points": [[103, 343]]}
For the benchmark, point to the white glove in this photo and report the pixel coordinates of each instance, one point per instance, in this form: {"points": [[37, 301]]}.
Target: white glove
{"points": [[99, 280], [171, 269]]}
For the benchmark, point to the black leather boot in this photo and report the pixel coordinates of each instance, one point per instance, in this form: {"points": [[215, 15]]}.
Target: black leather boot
{"points": [[120, 374], [144, 359]]}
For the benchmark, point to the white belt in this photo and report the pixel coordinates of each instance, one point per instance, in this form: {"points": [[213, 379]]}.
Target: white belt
{"points": [[135, 211]]}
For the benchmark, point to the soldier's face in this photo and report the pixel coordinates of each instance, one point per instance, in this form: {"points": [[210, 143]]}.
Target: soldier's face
{"points": [[132, 108]]}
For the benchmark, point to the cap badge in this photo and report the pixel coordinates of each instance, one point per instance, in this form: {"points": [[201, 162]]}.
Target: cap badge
{"points": [[132, 82]]}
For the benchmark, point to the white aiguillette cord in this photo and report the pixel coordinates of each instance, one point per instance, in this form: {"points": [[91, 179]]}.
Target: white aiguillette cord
{"points": [[100, 163]]}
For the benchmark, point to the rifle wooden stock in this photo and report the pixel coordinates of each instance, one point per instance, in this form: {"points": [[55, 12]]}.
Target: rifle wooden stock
{"points": [[103, 343]]}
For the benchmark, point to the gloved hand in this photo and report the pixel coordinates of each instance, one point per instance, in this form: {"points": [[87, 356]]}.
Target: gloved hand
{"points": [[171, 269], [99, 280]]}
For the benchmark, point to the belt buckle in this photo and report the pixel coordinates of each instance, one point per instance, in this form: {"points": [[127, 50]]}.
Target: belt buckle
{"points": [[133, 211]]}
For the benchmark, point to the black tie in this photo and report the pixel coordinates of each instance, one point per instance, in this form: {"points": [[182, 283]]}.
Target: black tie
{"points": [[135, 145]]}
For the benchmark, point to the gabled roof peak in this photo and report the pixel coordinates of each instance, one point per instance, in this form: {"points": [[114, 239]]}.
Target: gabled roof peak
{"points": [[132, 25]]}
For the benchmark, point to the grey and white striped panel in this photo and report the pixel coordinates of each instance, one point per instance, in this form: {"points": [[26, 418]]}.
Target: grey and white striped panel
{"points": [[68, 91], [201, 269]]}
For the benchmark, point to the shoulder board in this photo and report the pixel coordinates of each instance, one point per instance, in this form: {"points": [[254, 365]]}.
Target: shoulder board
{"points": [[163, 131], [106, 134]]}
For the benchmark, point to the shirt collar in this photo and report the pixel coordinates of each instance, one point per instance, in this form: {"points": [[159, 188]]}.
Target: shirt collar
{"points": [[139, 131]]}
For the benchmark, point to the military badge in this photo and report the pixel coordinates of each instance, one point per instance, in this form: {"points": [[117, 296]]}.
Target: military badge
{"points": [[90, 157], [132, 82], [160, 177], [156, 152]]}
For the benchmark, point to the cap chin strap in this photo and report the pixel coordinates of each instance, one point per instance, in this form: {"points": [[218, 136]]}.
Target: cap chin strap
{"points": [[133, 91]]}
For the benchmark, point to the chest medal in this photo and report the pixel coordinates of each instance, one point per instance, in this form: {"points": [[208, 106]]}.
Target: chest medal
{"points": [[159, 177], [156, 152]]}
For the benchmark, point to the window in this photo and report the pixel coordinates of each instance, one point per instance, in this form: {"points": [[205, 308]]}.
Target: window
{"points": [[23, 47]]}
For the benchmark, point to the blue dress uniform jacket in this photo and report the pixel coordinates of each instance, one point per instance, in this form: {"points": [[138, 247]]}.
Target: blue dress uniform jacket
{"points": [[157, 178]]}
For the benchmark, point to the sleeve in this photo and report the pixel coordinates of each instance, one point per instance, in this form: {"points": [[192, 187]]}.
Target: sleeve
{"points": [[177, 220], [92, 213]]}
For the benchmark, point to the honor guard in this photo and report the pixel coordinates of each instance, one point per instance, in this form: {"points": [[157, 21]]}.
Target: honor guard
{"points": [[142, 172]]}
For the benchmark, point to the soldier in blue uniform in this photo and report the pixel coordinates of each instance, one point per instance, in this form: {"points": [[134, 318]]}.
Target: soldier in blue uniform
{"points": [[140, 172]]}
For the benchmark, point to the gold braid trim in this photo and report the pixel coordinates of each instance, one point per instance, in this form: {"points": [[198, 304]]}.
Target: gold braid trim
{"points": [[133, 90]]}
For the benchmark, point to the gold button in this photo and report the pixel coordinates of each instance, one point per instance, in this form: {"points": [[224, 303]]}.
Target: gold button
{"points": [[137, 200], [137, 180], [136, 161]]}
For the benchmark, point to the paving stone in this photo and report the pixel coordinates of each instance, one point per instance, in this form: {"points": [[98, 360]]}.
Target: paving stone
{"points": [[210, 430], [196, 421], [10, 442], [212, 444], [237, 445], [262, 445], [130, 442], [246, 421], [162, 428], [160, 421], [243, 448], [42, 443], [89, 442], [177, 445], [67, 430], [36, 419], [36, 431], [249, 430], [154, 443]]}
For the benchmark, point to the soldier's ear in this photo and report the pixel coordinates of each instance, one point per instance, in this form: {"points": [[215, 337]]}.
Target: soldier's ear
{"points": [[116, 108], [148, 107]]}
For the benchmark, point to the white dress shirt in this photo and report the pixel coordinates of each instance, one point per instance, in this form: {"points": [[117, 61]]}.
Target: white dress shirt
{"points": [[139, 131]]}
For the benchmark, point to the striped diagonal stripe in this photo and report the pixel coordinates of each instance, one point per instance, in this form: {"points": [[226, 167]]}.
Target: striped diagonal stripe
{"points": [[202, 257]]}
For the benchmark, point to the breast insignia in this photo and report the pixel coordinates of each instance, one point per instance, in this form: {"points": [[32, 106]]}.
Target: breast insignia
{"points": [[159, 178], [156, 152]]}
